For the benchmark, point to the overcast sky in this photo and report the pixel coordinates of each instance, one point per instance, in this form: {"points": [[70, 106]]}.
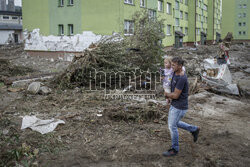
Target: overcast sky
{"points": [[18, 2]]}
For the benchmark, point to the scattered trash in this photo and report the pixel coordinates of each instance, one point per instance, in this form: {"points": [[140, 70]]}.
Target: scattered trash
{"points": [[192, 48], [99, 113], [5, 131], [39, 125], [152, 101], [15, 89], [127, 88], [247, 70]]}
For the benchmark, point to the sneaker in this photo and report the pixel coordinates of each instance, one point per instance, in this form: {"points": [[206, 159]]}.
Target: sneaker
{"points": [[170, 152], [195, 134]]}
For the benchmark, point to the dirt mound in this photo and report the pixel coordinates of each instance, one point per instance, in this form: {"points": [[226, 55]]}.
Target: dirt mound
{"points": [[9, 70]]}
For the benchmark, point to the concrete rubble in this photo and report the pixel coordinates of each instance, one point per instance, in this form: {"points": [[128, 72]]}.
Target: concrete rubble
{"points": [[37, 87], [77, 43]]}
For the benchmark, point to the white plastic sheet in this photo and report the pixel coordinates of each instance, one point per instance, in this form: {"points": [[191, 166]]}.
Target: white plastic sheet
{"points": [[39, 125], [223, 81]]}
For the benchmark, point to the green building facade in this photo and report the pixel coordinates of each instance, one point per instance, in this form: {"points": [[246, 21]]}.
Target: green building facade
{"points": [[186, 21], [236, 19]]}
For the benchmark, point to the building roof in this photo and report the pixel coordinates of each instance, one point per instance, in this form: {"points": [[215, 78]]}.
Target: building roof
{"points": [[4, 26], [180, 33], [10, 13], [203, 33]]}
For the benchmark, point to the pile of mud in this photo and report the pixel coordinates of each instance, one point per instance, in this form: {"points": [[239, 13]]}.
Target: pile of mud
{"points": [[9, 70]]}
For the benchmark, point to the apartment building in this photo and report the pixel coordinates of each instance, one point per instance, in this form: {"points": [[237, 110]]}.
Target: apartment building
{"points": [[214, 20], [10, 22], [186, 21], [239, 12]]}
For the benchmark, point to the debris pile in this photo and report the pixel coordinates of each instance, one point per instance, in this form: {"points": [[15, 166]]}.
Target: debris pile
{"points": [[105, 56], [77, 43], [115, 53], [219, 77]]}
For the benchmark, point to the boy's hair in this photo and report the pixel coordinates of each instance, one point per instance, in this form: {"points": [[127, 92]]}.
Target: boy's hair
{"points": [[178, 60]]}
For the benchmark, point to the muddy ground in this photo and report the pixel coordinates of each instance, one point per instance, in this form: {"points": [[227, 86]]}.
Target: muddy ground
{"points": [[128, 133]]}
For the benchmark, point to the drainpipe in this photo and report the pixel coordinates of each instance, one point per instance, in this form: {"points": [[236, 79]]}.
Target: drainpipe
{"points": [[213, 20], [195, 21]]}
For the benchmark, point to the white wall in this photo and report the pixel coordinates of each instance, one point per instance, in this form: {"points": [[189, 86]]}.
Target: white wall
{"points": [[76, 43], [4, 34]]}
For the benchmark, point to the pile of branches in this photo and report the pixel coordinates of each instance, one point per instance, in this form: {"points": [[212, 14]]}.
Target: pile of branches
{"points": [[115, 53]]}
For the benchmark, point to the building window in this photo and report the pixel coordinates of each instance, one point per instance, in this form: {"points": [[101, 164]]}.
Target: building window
{"points": [[61, 3], [186, 2], [142, 3], [128, 27], [181, 29], [177, 22], [181, 14], [240, 6], [205, 7], [168, 29], [14, 17], [244, 24], [199, 3], [239, 32], [61, 29], [244, 32], [186, 31], [244, 5], [152, 14], [6, 17], [160, 5], [71, 2], [239, 15], [177, 5], [129, 2], [186, 16], [168, 8], [71, 29], [244, 14], [239, 24]]}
